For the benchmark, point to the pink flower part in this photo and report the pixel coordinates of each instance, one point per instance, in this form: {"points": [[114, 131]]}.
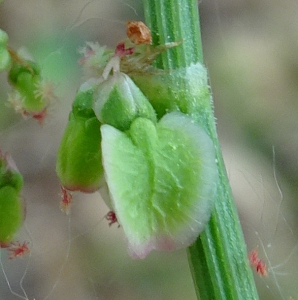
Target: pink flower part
{"points": [[16, 249], [257, 263], [40, 116], [111, 216], [121, 51], [66, 200]]}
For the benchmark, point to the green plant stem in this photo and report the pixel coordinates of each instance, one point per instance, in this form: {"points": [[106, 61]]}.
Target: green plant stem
{"points": [[218, 259]]}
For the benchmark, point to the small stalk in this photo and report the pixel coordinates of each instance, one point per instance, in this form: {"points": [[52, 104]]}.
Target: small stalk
{"points": [[218, 259]]}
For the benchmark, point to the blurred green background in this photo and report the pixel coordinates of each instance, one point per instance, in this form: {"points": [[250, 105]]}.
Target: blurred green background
{"points": [[251, 51]]}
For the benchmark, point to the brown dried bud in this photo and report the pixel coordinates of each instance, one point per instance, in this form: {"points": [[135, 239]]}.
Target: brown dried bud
{"points": [[138, 32]]}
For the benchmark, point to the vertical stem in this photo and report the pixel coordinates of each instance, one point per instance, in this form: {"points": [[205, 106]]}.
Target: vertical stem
{"points": [[218, 259]]}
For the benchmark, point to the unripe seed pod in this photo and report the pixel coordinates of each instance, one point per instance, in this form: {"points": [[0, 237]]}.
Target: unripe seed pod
{"points": [[79, 164], [11, 213], [162, 180], [11, 204]]}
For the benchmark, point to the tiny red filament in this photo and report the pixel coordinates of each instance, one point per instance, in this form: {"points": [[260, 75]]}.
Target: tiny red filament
{"points": [[39, 116], [16, 249], [257, 263], [111, 216], [121, 51], [66, 200]]}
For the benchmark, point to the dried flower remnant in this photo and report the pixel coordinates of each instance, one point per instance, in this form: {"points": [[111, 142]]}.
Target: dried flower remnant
{"points": [[66, 200], [138, 32], [112, 218], [257, 263]]}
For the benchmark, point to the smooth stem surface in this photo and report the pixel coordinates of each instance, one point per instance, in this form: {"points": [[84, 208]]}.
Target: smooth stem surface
{"points": [[218, 259]]}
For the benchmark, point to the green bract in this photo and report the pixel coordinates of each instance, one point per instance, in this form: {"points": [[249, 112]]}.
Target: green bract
{"points": [[11, 207], [79, 164], [161, 178], [5, 59], [118, 101]]}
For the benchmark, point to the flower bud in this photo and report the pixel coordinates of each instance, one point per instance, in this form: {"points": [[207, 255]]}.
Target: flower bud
{"points": [[11, 205], [118, 102], [79, 164], [32, 95]]}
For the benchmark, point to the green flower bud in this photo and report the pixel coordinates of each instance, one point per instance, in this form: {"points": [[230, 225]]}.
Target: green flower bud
{"points": [[118, 102], [5, 59], [32, 95], [162, 180], [11, 205], [11, 213], [25, 78], [79, 164]]}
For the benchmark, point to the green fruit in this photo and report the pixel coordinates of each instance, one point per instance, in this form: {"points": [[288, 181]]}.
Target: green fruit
{"points": [[162, 179], [11, 206], [11, 213], [79, 165]]}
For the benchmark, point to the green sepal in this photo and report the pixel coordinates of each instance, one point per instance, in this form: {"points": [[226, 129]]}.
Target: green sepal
{"points": [[118, 102], [83, 102]]}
